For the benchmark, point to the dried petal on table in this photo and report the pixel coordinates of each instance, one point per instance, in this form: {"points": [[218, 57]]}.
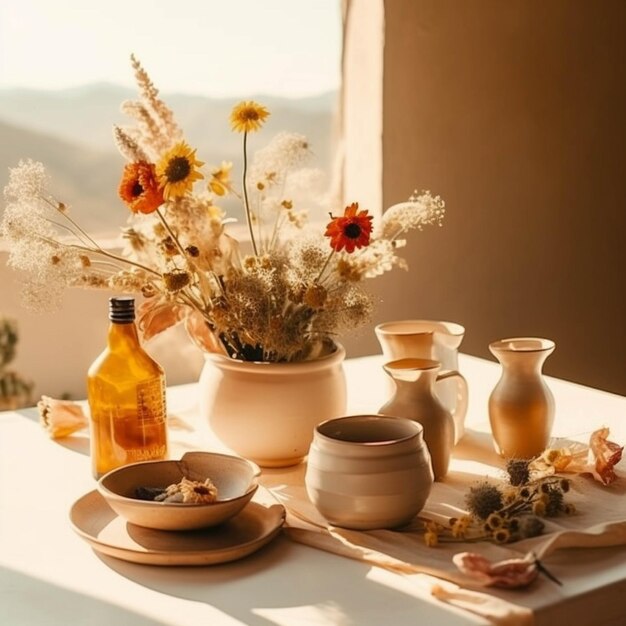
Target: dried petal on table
{"points": [[607, 455], [60, 418], [508, 574], [598, 459]]}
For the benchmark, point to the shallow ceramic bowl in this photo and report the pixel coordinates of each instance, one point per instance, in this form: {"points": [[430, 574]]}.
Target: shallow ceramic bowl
{"points": [[235, 479]]}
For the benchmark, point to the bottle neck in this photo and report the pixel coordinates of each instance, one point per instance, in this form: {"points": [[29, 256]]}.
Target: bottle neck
{"points": [[123, 335]]}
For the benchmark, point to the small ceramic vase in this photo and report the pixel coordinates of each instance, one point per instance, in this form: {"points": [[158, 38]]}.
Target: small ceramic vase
{"points": [[521, 407], [415, 399], [368, 471], [428, 339]]}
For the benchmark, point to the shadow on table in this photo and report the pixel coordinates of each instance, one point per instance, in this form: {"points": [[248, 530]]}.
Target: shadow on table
{"points": [[315, 588], [77, 442], [31, 413], [477, 446], [29, 600]]}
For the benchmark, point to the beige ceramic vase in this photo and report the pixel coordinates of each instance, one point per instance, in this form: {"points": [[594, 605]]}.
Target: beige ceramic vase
{"points": [[428, 339], [415, 399], [521, 406], [267, 412], [368, 471]]}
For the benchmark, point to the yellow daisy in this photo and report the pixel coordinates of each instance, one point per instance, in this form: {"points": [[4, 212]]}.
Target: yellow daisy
{"points": [[220, 179], [247, 117], [176, 170]]}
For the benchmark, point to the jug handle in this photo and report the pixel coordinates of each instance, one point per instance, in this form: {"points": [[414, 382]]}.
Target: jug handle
{"points": [[460, 409]]}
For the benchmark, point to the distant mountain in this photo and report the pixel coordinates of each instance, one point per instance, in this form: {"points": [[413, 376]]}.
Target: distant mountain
{"points": [[86, 179], [86, 114], [70, 132]]}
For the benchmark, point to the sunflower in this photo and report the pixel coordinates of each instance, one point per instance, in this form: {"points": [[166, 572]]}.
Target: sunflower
{"points": [[176, 170], [247, 117], [220, 179], [351, 231], [139, 187]]}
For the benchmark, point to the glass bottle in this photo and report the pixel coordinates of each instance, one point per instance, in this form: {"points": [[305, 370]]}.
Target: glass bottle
{"points": [[126, 392]]}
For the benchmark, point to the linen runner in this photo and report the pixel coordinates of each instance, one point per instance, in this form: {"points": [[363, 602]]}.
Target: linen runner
{"points": [[600, 521]]}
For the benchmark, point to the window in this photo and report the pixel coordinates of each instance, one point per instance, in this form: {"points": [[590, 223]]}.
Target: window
{"points": [[65, 69]]}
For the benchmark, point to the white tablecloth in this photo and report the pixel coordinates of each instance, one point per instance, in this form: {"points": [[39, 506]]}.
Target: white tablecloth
{"points": [[49, 576]]}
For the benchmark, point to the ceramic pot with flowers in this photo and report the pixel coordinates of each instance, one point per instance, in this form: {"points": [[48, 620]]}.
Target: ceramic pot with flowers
{"points": [[267, 412], [521, 406]]}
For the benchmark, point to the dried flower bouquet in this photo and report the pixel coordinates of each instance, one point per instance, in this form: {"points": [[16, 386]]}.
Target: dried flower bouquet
{"points": [[286, 301]]}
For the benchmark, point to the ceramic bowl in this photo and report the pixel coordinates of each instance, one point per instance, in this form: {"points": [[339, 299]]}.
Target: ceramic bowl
{"points": [[369, 471], [235, 479]]}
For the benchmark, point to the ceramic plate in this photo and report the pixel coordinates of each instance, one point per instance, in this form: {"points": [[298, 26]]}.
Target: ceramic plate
{"points": [[96, 522]]}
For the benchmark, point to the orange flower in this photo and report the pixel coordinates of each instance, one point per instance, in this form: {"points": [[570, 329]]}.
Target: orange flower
{"points": [[350, 231], [139, 187]]}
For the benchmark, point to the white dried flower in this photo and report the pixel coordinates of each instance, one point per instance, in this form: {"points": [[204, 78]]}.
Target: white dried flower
{"points": [[26, 181], [306, 256], [129, 281], [379, 257], [196, 492], [421, 210], [286, 151]]}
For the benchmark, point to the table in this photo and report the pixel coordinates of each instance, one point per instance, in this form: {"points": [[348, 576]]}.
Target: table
{"points": [[49, 576]]}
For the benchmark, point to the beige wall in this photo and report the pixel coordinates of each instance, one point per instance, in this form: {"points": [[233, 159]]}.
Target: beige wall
{"points": [[515, 113]]}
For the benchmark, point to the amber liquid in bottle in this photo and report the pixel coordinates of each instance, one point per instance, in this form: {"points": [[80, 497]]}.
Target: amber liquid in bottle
{"points": [[126, 391]]}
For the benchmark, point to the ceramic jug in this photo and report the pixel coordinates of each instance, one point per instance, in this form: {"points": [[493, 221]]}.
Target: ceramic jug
{"points": [[521, 406], [415, 399], [428, 339]]}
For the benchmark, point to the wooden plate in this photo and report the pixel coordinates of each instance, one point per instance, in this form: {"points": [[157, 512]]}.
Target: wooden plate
{"points": [[96, 522]]}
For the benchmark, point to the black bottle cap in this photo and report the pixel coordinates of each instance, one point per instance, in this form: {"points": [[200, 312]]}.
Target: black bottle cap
{"points": [[122, 309]]}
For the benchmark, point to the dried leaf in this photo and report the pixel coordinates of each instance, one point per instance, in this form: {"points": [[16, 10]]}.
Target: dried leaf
{"points": [[607, 454], [156, 315], [508, 574], [60, 418], [200, 333]]}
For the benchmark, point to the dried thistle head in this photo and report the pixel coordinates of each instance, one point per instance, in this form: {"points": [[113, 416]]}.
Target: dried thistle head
{"points": [[518, 471], [483, 500]]}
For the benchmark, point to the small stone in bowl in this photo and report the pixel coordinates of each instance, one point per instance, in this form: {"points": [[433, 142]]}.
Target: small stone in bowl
{"points": [[148, 493], [185, 492]]}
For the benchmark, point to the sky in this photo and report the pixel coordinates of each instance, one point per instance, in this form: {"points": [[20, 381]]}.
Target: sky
{"points": [[223, 48]]}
